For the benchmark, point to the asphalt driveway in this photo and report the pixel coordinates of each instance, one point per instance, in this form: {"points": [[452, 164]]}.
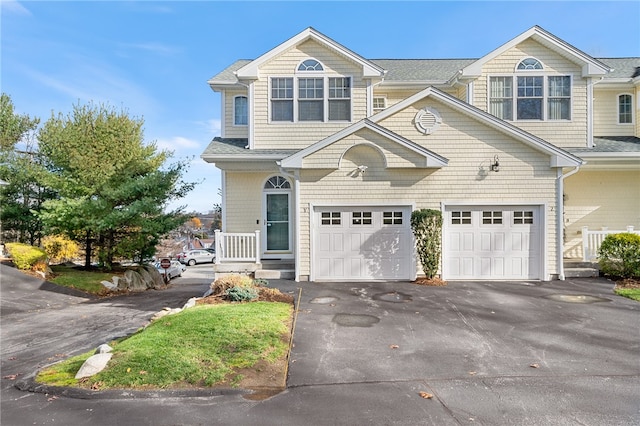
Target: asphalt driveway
{"points": [[490, 353]]}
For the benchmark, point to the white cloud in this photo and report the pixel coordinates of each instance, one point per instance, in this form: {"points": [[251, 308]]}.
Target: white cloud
{"points": [[177, 143], [14, 7]]}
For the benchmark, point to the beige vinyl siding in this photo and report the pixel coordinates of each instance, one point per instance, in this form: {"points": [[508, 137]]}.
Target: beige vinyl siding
{"points": [[231, 130], [244, 200], [332, 156], [397, 95], [636, 100], [599, 199], [524, 178], [563, 133], [302, 134], [605, 114]]}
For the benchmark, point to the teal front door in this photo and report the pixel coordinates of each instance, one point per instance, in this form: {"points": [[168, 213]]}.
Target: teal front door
{"points": [[277, 223]]}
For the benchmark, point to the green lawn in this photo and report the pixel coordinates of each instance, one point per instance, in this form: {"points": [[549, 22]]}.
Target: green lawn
{"points": [[88, 281], [631, 293], [202, 346]]}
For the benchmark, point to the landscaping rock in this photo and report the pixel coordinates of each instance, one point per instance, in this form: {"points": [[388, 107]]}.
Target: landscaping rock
{"points": [[134, 281], [146, 277], [103, 349], [109, 285], [158, 281], [190, 303], [93, 365]]}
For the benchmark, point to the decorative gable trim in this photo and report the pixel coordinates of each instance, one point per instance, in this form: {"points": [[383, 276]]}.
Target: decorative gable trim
{"points": [[252, 69], [431, 159], [559, 157], [590, 66]]}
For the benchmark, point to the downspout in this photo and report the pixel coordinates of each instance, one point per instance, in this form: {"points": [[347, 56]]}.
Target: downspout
{"points": [[296, 218], [560, 219], [590, 108]]}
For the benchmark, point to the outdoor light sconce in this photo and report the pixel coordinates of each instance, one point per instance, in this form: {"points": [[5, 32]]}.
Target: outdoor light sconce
{"points": [[362, 169], [495, 166]]}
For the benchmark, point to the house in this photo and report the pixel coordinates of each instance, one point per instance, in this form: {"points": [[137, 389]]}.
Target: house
{"points": [[324, 154]]}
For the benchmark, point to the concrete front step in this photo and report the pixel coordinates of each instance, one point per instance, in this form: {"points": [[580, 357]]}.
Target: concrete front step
{"points": [[275, 274], [581, 272]]}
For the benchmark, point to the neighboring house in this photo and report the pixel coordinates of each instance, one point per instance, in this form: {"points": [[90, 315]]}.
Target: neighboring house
{"points": [[327, 153]]}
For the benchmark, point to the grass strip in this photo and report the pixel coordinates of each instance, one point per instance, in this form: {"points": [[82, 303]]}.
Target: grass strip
{"points": [[201, 346]]}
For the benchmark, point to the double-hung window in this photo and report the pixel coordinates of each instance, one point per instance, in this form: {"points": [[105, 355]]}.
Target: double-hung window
{"points": [[310, 99], [625, 111], [240, 111], [530, 95], [311, 95], [339, 99], [282, 99]]}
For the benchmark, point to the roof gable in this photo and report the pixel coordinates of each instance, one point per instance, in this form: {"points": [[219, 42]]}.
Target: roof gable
{"points": [[429, 158], [590, 65], [559, 157], [252, 69]]}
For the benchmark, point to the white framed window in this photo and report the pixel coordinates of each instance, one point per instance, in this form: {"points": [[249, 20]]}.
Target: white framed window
{"points": [[240, 111], [339, 99], [310, 99], [523, 217], [530, 94], [392, 218], [625, 108], [330, 218], [379, 103], [361, 218], [491, 217], [461, 218], [311, 95], [282, 99]]}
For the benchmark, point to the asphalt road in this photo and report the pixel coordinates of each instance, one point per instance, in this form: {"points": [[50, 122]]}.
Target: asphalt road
{"points": [[493, 353]]}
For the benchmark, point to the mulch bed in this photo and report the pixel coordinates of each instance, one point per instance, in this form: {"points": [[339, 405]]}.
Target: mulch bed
{"points": [[265, 294], [433, 282]]}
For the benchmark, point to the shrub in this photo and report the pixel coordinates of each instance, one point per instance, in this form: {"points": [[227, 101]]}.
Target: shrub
{"points": [[236, 287], [427, 228], [26, 257], [241, 294], [620, 255], [60, 249]]}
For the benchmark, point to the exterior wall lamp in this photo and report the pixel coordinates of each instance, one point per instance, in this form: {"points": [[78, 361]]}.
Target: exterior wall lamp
{"points": [[495, 166]]}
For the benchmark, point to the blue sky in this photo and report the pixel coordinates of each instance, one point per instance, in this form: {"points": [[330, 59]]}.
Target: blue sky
{"points": [[154, 58]]}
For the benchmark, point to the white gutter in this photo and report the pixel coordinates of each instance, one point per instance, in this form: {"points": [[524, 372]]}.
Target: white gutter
{"points": [[560, 220]]}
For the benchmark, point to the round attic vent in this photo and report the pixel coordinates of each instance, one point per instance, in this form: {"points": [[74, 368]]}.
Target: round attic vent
{"points": [[427, 120]]}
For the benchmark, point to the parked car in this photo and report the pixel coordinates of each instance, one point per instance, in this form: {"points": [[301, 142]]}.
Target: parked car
{"points": [[175, 270], [197, 256]]}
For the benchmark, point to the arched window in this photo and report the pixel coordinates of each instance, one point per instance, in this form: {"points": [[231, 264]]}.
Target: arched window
{"points": [[240, 111], [277, 182], [625, 109], [310, 65], [530, 64]]}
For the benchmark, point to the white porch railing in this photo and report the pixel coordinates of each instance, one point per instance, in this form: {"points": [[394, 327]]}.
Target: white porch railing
{"points": [[237, 246], [591, 241]]}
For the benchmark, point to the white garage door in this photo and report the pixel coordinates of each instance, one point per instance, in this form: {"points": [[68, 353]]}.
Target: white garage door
{"points": [[492, 242], [362, 243]]}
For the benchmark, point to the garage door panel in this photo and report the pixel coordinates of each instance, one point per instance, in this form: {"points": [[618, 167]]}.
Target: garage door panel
{"points": [[372, 242], [502, 241]]}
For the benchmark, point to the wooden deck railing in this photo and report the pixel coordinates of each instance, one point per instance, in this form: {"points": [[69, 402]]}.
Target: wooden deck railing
{"points": [[237, 246]]}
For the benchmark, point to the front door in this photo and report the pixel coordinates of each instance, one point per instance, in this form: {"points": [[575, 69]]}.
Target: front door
{"points": [[277, 222]]}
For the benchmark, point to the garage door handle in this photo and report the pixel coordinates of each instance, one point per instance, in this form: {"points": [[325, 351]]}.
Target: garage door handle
{"points": [[268, 224]]}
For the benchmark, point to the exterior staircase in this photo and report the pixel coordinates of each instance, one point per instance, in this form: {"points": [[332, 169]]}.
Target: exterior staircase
{"points": [[576, 268], [268, 269]]}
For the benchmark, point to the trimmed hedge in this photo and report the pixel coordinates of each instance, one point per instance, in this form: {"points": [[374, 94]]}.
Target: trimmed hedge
{"points": [[620, 255], [26, 257], [427, 228]]}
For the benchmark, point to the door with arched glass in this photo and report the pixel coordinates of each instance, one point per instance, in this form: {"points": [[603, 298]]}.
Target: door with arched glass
{"points": [[277, 222]]}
